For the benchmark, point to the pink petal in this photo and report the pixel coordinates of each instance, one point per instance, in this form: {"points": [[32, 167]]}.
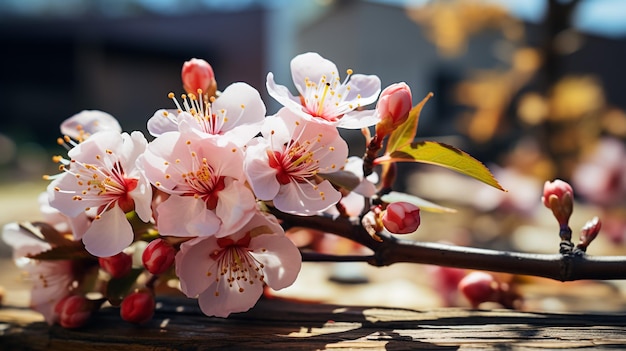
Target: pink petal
{"points": [[281, 259], [302, 199], [235, 207], [186, 216], [193, 263], [227, 301], [109, 235]]}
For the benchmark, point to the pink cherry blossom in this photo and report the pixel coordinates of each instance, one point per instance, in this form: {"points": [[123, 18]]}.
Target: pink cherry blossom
{"points": [[236, 114], [323, 96], [228, 273], [102, 177], [52, 280], [205, 179], [285, 164]]}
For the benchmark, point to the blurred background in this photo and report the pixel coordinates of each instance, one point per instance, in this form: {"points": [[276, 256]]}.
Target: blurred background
{"points": [[535, 89]]}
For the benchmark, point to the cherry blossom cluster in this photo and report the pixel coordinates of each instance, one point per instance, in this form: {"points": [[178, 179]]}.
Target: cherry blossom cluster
{"points": [[195, 202]]}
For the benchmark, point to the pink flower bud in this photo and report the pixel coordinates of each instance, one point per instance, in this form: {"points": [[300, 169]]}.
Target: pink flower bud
{"points": [[117, 266], [138, 307], [401, 218], [394, 105], [198, 74], [158, 256], [73, 311], [589, 232], [479, 287], [559, 196]]}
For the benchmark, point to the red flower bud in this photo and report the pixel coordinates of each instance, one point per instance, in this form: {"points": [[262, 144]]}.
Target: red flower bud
{"points": [[401, 218], [117, 266], [394, 105], [559, 196], [138, 307], [197, 74], [158, 256], [479, 287], [73, 311]]}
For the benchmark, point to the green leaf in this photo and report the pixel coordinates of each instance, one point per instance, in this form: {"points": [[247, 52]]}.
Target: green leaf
{"points": [[405, 133], [444, 155], [424, 205]]}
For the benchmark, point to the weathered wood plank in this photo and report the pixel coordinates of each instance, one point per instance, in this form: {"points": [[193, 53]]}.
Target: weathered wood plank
{"points": [[285, 325]]}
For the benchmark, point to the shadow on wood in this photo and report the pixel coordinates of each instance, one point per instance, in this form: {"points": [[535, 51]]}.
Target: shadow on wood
{"points": [[285, 325]]}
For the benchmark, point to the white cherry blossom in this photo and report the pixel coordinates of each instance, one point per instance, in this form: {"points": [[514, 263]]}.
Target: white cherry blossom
{"points": [[324, 96]]}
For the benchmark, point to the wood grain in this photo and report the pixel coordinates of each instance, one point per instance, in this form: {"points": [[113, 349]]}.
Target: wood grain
{"points": [[275, 324]]}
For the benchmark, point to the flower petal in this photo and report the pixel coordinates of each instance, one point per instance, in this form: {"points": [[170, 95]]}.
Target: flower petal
{"points": [[312, 66], [302, 199], [89, 122], [186, 216], [281, 259], [281, 94], [109, 235], [162, 121], [223, 302], [193, 263]]}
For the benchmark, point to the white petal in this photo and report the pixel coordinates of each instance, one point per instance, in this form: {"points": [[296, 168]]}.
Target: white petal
{"points": [[367, 86], [312, 66], [282, 94], [162, 121], [359, 119], [90, 122]]}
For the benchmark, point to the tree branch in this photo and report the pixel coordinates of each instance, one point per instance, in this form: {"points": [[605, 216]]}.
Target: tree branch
{"points": [[390, 250]]}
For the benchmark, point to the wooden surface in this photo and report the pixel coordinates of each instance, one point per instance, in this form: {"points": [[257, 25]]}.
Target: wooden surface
{"points": [[285, 325]]}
